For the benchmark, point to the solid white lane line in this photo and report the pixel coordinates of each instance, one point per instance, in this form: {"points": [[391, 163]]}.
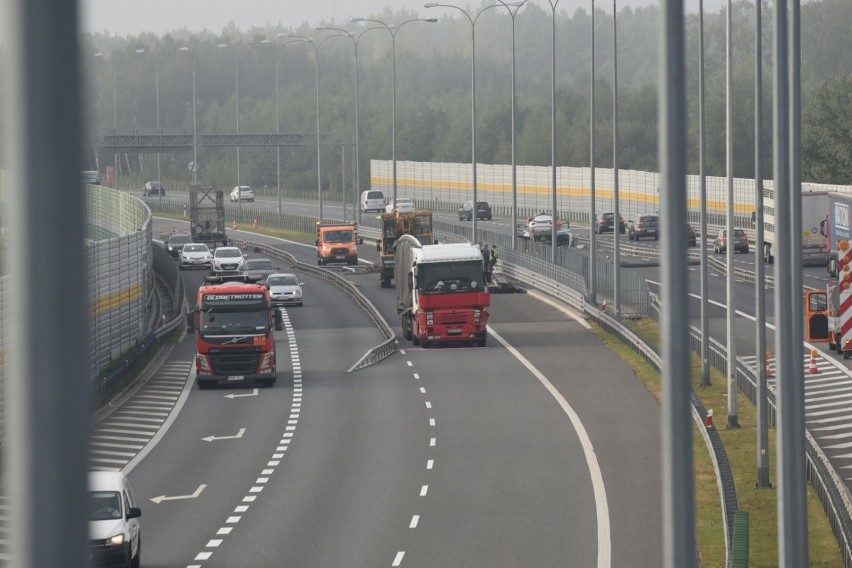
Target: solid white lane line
{"points": [[601, 503]]}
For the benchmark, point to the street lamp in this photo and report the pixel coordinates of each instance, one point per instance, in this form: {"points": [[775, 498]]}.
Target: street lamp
{"points": [[393, 30], [513, 13], [616, 232], [593, 261], [114, 122], [357, 128], [472, 20], [194, 128], [553, 237], [237, 84]]}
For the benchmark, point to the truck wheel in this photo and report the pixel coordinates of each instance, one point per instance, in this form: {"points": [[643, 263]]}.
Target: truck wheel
{"points": [[846, 354], [269, 382], [406, 327], [482, 341], [202, 385]]}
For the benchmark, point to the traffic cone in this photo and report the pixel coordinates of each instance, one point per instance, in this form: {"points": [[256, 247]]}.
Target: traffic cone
{"points": [[174, 229], [768, 368], [186, 230], [234, 225], [603, 306], [812, 368], [162, 233], [255, 223], [708, 422]]}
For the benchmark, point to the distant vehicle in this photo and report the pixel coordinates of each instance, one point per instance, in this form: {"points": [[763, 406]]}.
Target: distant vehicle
{"points": [[483, 210], [90, 176], [115, 537], [402, 204], [337, 243], [606, 223], [284, 289], [227, 261], [207, 215], [691, 235], [242, 193], [645, 226], [540, 228], [372, 200], [720, 245], [195, 255], [258, 269], [175, 243], [153, 188]]}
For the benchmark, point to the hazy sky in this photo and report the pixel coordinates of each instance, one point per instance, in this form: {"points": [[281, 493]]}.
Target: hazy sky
{"points": [[124, 17]]}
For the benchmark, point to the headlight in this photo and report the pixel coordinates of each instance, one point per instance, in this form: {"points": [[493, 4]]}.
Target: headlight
{"points": [[116, 540]]}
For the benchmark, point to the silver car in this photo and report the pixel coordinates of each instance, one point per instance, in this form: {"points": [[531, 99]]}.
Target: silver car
{"points": [[284, 289], [258, 269], [195, 255]]}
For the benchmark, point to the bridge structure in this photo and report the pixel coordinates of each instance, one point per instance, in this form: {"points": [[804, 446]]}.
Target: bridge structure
{"points": [[177, 139]]}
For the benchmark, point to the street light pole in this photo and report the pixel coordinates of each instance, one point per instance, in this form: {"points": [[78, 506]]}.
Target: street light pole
{"points": [[593, 262], [114, 120], [237, 85], [392, 30], [553, 242], [616, 215], [194, 133], [472, 20]]}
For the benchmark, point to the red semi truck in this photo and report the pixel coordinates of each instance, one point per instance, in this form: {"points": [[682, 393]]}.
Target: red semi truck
{"points": [[235, 342], [441, 292]]}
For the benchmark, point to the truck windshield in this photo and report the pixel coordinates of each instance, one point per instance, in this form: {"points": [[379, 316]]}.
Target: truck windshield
{"points": [[442, 278], [423, 225], [338, 236], [227, 322]]}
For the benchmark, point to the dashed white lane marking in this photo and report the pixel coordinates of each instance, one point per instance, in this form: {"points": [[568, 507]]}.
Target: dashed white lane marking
{"points": [[415, 519], [424, 490], [430, 464], [431, 422], [398, 558], [428, 404], [277, 455], [409, 363]]}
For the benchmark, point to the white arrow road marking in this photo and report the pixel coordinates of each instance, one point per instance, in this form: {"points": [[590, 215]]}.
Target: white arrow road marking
{"points": [[254, 392], [162, 498], [239, 435]]}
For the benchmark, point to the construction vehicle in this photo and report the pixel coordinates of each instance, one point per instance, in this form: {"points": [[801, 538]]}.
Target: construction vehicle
{"points": [[441, 293], [207, 215], [394, 225], [337, 243], [815, 204], [235, 344], [836, 226]]}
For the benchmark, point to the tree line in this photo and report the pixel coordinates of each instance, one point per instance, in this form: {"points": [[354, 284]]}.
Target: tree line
{"points": [[433, 102]]}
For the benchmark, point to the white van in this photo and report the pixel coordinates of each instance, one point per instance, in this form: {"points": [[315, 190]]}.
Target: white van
{"points": [[114, 534], [372, 200]]}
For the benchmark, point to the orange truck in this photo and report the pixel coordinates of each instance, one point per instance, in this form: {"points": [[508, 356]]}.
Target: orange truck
{"points": [[337, 243]]}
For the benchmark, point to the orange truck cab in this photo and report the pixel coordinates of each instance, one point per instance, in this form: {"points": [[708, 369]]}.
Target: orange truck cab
{"points": [[337, 243]]}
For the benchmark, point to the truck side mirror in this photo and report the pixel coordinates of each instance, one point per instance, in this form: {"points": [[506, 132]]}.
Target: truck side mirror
{"points": [[360, 240], [317, 243], [278, 325], [822, 228], [190, 322]]}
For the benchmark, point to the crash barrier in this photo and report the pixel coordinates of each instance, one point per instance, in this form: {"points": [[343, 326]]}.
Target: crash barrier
{"points": [[828, 485], [721, 465], [372, 356]]}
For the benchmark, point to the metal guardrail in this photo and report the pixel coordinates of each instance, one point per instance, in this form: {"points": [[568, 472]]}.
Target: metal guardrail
{"points": [[372, 356]]}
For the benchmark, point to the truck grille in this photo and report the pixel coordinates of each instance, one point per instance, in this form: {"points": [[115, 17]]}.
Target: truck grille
{"points": [[235, 363], [340, 250], [453, 318]]}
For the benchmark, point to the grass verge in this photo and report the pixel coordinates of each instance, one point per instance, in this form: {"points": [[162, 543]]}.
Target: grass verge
{"points": [[741, 447]]}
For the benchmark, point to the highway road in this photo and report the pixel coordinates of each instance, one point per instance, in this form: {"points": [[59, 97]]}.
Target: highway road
{"points": [[540, 450]]}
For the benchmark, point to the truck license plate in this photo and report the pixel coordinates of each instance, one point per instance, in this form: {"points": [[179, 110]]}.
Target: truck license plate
{"points": [[454, 331], [236, 378], [340, 257]]}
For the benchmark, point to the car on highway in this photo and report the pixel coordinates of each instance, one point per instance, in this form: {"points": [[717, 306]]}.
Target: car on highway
{"points": [[227, 261], [175, 244], [258, 269], [372, 200], [242, 193], [401, 204], [284, 289], [153, 188], [606, 223], [691, 236], [539, 228], [90, 176], [645, 226], [720, 244], [466, 210], [115, 536], [194, 255]]}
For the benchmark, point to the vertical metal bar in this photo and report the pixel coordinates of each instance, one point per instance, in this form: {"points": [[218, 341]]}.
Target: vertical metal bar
{"points": [[239, 182], [555, 209], [730, 250], [357, 143], [759, 259], [475, 227], [593, 261], [343, 181], [393, 111], [278, 123], [194, 130], [702, 166], [792, 510], [616, 221], [679, 548], [319, 152], [47, 403], [514, 162]]}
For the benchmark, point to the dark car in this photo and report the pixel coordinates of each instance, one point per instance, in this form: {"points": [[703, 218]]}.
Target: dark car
{"points": [[605, 223], [540, 228], [175, 242], [720, 245], [483, 210], [692, 240], [153, 188], [645, 226], [258, 269]]}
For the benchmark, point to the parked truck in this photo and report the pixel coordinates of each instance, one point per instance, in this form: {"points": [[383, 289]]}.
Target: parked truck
{"points": [[337, 243], [394, 225], [815, 204], [441, 294], [235, 343], [836, 226], [207, 215]]}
